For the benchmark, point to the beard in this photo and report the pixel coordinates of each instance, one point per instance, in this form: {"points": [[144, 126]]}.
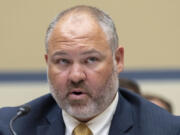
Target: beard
{"points": [[94, 105]]}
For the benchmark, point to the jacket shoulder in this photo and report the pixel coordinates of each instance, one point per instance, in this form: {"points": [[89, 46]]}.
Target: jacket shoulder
{"points": [[39, 108], [149, 117], [7, 113]]}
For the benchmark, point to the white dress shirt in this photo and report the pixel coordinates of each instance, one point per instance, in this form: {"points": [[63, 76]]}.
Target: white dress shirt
{"points": [[99, 125]]}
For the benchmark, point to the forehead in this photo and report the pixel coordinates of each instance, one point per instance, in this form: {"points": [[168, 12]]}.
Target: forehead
{"points": [[77, 26]]}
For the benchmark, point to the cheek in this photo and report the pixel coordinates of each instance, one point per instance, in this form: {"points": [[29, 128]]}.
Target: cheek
{"points": [[58, 79], [98, 78], [102, 72]]}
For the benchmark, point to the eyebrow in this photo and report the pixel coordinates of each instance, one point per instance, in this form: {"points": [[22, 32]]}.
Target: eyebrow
{"points": [[88, 52], [59, 53], [84, 53], [91, 52]]}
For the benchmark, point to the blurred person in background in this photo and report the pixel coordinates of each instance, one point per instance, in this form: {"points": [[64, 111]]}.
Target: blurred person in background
{"points": [[130, 85], [160, 101]]}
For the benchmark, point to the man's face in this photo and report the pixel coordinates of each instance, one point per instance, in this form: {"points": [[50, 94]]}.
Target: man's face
{"points": [[81, 70]]}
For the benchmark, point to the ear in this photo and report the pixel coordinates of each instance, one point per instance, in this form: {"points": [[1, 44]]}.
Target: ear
{"points": [[119, 57], [46, 58]]}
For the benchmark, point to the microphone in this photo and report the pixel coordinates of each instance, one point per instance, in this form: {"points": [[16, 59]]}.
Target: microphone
{"points": [[23, 110]]}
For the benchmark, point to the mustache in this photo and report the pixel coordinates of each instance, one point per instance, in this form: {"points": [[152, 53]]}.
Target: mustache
{"points": [[79, 85]]}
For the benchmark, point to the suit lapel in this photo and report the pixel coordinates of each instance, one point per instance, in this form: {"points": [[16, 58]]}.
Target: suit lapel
{"points": [[53, 124], [122, 122]]}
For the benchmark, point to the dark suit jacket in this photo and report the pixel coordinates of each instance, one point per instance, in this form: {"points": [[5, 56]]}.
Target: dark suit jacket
{"points": [[134, 116]]}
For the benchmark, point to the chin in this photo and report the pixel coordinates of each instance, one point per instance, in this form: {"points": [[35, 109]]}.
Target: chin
{"points": [[83, 112]]}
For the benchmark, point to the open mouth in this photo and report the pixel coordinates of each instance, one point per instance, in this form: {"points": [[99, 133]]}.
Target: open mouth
{"points": [[77, 93]]}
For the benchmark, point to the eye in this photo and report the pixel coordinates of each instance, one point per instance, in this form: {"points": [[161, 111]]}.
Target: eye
{"points": [[63, 61], [91, 60]]}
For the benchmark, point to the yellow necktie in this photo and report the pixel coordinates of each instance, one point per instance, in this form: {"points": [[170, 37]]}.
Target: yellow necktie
{"points": [[82, 129]]}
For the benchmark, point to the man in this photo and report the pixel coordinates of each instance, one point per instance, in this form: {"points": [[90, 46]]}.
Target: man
{"points": [[84, 61]]}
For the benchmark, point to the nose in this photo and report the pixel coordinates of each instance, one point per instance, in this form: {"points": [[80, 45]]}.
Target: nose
{"points": [[76, 73]]}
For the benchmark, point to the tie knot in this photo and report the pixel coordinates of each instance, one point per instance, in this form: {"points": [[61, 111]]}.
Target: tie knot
{"points": [[82, 129]]}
